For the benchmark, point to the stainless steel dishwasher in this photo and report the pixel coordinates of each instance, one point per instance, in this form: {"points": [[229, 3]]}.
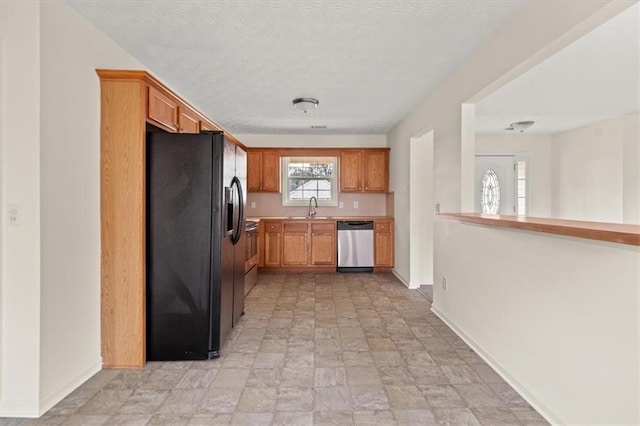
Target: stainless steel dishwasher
{"points": [[355, 246]]}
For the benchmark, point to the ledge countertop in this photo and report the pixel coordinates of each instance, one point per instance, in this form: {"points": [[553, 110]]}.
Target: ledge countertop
{"points": [[319, 217], [602, 231]]}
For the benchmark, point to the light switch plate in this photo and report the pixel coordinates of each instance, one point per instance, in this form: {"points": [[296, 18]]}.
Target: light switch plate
{"points": [[253, 204], [341, 204], [14, 214]]}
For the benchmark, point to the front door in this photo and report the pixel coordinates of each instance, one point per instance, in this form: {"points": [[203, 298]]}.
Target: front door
{"points": [[495, 184]]}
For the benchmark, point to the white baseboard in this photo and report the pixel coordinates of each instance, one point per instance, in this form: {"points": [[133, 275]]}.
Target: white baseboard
{"points": [[58, 395], [19, 408], [398, 276], [515, 384]]}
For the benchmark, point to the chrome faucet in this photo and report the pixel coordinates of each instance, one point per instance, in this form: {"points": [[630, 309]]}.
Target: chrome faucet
{"points": [[312, 211]]}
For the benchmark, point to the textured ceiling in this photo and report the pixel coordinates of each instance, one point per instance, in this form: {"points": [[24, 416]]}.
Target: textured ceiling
{"points": [[594, 78], [242, 62]]}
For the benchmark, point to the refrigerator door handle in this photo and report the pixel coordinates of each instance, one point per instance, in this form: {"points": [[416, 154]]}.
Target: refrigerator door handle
{"points": [[229, 211], [237, 185]]}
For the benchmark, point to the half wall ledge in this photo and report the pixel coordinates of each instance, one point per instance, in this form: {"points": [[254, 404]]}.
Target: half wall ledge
{"points": [[602, 231]]}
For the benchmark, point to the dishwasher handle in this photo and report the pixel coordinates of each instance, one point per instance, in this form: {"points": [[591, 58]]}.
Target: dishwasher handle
{"points": [[345, 225]]}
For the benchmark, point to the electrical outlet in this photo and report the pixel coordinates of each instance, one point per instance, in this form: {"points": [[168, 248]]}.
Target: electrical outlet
{"points": [[14, 214], [341, 204], [253, 204], [444, 283], [355, 204]]}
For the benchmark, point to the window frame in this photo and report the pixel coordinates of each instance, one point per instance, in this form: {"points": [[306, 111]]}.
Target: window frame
{"points": [[284, 166]]}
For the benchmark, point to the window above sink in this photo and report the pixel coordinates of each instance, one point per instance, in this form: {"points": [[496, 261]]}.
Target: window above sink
{"points": [[309, 176]]}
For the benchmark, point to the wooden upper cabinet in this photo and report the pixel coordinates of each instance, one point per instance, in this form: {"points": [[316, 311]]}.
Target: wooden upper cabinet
{"points": [[205, 126], [163, 109], [188, 121], [376, 171], [351, 171], [263, 171], [270, 171], [254, 170], [364, 170], [172, 115]]}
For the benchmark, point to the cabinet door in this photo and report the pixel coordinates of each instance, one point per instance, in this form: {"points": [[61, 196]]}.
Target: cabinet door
{"points": [[376, 171], [163, 110], [254, 170], [205, 125], [383, 244], [294, 244], [272, 243], [270, 171], [323, 244], [188, 122], [351, 171]]}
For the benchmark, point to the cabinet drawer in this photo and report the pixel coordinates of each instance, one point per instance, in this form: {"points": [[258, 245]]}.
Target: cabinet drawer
{"points": [[273, 227], [383, 226], [323, 227], [295, 227]]}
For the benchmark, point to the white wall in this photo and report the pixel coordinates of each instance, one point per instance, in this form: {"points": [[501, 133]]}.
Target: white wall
{"points": [[51, 282], [558, 317], [631, 169], [312, 141], [537, 148], [72, 49], [421, 212], [20, 143], [538, 30], [589, 168]]}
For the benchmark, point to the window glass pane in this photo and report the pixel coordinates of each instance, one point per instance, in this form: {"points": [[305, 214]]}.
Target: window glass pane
{"points": [[522, 206], [522, 169], [306, 177]]}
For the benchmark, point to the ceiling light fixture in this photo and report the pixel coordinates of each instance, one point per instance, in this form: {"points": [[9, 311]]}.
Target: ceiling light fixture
{"points": [[305, 104], [520, 126]]}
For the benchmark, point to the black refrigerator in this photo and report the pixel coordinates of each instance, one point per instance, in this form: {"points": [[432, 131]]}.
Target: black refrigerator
{"points": [[195, 243]]}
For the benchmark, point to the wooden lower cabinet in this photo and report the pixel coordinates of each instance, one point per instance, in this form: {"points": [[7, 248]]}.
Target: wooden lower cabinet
{"points": [[295, 244], [383, 244], [312, 244], [323, 244], [272, 243], [299, 244]]}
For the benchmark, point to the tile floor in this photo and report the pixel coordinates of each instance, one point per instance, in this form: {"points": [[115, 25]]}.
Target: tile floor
{"points": [[326, 349]]}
